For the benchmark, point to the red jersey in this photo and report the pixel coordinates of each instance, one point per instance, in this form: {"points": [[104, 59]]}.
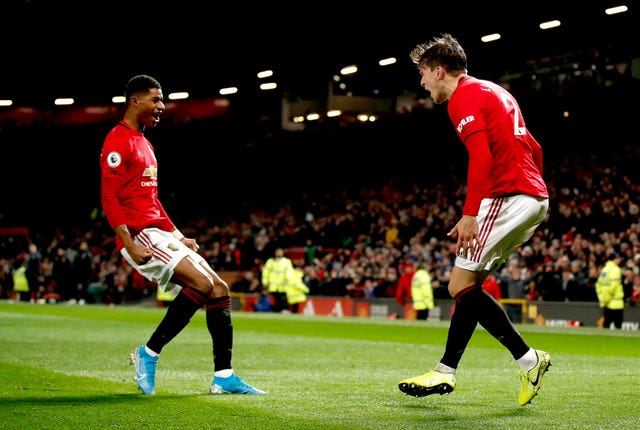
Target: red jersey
{"points": [[492, 287], [505, 159], [130, 181], [403, 289]]}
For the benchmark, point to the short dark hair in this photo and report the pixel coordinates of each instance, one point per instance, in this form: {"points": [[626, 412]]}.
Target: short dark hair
{"points": [[140, 84], [443, 50]]}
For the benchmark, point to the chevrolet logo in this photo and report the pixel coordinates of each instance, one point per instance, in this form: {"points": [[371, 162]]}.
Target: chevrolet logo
{"points": [[151, 171]]}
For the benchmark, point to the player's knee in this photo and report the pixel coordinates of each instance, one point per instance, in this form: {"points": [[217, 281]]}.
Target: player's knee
{"points": [[220, 287], [204, 285], [462, 280]]}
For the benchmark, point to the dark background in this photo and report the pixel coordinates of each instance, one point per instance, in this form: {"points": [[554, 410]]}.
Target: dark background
{"points": [[49, 175], [88, 49]]}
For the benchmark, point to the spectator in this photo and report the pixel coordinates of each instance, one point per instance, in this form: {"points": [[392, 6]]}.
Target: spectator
{"points": [[386, 283], [403, 291], [516, 287], [62, 276], [576, 283], [635, 292], [33, 271], [610, 292], [20, 282], [263, 304], [248, 283], [296, 289], [392, 233], [549, 283], [274, 278], [310, 252], [627, 281], [421, 293], [492, 287], [82, 269]]}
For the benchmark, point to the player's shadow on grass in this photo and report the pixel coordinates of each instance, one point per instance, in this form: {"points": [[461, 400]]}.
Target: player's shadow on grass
{"points": [[449, 411], [94, 400]]}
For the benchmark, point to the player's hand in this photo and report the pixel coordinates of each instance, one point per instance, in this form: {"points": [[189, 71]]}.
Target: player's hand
{"points": [[190, 243], [467, 231], [140, 254]]}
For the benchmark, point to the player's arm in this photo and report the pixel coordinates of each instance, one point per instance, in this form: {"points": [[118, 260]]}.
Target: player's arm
{"points": [[112, 182], [116, 218], [189, 242], [139, 253], [480, 160], [477, 177]]}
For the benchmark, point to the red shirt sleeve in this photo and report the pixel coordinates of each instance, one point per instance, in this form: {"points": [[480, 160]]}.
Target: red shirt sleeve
{"points": [[112, 166], [110, 184], [478, 170]]}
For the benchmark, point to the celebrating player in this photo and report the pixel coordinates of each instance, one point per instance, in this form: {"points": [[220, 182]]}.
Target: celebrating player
{"points": [[506, 201], [152, 245]]}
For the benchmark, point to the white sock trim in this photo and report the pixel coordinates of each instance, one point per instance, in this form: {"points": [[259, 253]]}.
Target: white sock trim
{"points": [[150, 352], [443, 368], [224, 373], [529, 360]]}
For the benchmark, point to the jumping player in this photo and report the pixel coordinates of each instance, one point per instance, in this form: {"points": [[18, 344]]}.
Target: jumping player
{"points": [[506, 201]]}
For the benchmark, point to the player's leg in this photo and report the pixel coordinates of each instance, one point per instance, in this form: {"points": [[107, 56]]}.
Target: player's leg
{"points": [[220, 327], [218, 314], [169, 268], [179, 313], [512, 222], [441, 379]]}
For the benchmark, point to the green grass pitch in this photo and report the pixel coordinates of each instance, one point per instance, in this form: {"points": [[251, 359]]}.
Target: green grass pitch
{"points": [[66, 367]]}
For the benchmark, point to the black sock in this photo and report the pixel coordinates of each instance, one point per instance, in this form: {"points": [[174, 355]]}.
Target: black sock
{"points": [[493, 317], [463, 323], [178, 315], [221, 330], [475, 306]]}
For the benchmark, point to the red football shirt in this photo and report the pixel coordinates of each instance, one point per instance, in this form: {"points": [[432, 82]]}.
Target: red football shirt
{"points": [[130, 181], [505, 159]]}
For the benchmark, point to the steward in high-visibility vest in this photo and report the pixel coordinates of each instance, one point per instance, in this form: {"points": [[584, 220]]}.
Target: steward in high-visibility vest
{"points": [[611, 292], [20, 282], [274, 278], [422, 293], [297, 290]]}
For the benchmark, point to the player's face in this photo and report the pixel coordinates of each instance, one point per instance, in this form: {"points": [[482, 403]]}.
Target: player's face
{"points": [[150, 107], [431, 80]]}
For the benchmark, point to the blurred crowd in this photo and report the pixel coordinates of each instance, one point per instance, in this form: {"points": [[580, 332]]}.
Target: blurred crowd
{"points": [[355, 210], [359, 242]]}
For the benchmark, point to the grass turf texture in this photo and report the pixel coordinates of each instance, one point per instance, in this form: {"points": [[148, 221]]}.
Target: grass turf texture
{"points": [[66, 367]]}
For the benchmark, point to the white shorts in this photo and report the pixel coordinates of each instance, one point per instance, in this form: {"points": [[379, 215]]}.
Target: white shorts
{"points": [[504, 223], [167, 253]]}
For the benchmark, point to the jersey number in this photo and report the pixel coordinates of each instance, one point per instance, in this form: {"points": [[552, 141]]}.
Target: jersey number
{"points": [[510, 104]]}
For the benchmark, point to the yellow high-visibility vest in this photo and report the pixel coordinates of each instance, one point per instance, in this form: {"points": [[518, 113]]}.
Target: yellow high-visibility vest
{"points": [[274, 274], [421, 290], [609, 286], [20, 282], [297, 290]]}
